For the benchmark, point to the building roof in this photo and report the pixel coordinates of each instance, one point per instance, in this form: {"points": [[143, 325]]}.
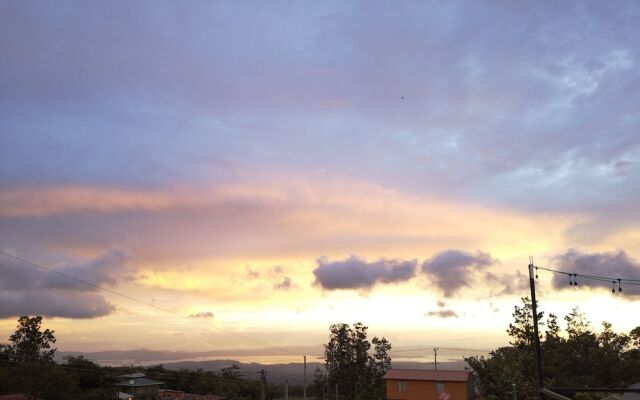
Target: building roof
{"points": [[139, 382], [134, 375], [125, 396], [427, 375]]}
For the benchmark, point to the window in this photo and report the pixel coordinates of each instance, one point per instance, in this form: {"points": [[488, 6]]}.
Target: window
{"points": [[439, 387], [402, 386]]}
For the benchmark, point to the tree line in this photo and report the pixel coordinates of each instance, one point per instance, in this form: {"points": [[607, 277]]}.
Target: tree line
{"points": [[579, 357], [27, 366], [354, 367]]}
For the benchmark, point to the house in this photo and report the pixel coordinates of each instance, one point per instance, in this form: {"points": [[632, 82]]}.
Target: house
{"points": [[178, 395], [138, 386], [417, 384]]}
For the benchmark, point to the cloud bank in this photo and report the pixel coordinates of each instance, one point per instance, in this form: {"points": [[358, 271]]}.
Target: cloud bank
{"points": [[616, 264], [357, 273], [25, 289], [452, 270]]}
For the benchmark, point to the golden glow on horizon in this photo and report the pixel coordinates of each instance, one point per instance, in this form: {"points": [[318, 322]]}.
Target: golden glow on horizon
{"points": [[224, 249]]}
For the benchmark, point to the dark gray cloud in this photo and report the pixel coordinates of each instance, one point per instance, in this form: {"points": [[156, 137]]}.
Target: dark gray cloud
{"points": [[445, 313], [616, 264], [202, 314], [53, 303], [30, 290], [106, 269], [356, 273], [451, 270]]}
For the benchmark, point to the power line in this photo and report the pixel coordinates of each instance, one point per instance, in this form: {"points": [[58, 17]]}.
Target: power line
{"points": [[441, 348], [133, 299], [573, 278]]}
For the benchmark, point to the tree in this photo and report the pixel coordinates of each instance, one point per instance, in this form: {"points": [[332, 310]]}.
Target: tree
{"points": [[579, 358], [350, 368], [29, 343], [319, 383], [635, 337]]}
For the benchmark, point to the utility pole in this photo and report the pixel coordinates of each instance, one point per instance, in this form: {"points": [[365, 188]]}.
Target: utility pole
{"points": [[336, 392], [435, 357], [515, 393], [534, 310], [286, 389], [304, 382], [263, 379]]}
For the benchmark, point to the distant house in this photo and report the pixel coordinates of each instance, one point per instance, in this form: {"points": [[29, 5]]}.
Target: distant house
{"points": [[178, 395], [138, 386], [416, 384]]}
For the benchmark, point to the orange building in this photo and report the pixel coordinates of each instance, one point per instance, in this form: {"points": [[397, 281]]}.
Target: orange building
{"points": [[417, 384]]}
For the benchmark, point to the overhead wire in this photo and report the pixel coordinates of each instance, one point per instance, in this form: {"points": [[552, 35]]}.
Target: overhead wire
{"points": [[440, 348], [136, 300], [573, 278]]}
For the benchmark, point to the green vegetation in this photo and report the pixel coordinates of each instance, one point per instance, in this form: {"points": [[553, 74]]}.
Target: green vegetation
{"points": [[580, 357], [27, 366], [350, 367]]}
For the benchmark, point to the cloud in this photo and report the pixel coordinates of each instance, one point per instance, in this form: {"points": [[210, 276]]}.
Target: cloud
{"points": [[285, 284], [202, 314], [249, 273], [53, 303], [275, 274], [106, 269], [616, 264], [447, 313], [26, 289], [356, 273], [507, 284], [451, 270]]}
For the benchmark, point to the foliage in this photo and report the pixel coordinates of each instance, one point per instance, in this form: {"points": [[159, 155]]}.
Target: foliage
{"points": [[29, 343], [27, 366], [579, 358], [350, 367]]}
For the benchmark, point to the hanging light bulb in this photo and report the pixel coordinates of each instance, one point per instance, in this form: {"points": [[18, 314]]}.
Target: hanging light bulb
{"points": [[619, 286], [570, 280], [575, 279], [536, 272], [613, 289]]}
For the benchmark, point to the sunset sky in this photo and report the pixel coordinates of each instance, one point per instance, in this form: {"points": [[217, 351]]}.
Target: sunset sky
{"points": [[264, 169]]}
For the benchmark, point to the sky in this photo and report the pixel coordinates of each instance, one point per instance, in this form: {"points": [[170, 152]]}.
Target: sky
{"points": [[257, 171]]}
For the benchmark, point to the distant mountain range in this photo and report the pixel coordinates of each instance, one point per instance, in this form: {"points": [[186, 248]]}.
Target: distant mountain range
{"points": [[174, 360]]}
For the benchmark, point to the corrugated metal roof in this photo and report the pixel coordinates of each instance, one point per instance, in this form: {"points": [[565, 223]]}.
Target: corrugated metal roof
{"points": [[427, 375], [134, 375], [139, 382]]}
